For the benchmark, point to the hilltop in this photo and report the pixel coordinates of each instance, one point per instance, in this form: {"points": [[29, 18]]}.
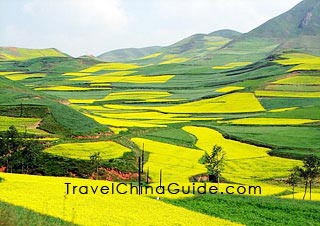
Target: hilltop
{"points": [[189, 46], [297, 29], [128, 54], [15, 53]]}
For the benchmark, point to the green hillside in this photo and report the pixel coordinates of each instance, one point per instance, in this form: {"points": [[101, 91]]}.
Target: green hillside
{"points": [[303, 19], [297, 29], [186, 48], [128, 54], [14, 53]]}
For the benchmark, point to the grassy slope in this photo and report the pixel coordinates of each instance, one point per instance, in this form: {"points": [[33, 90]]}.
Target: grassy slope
{"points": [[11, 215], [14, 93], [13, 53], [254, 210]]}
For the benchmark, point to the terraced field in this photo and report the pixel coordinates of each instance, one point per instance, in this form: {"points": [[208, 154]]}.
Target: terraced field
{"points": [[107, 150], [28, 125]]}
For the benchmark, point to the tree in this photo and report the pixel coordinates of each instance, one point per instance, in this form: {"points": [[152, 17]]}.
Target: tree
{"points": [[311, 171], [294, 178], [20, 154], [95, 158], [13, 140], [214, 163]]}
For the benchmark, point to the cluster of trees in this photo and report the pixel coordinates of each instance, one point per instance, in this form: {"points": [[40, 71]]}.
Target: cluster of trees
{"points": [[20, 153], [307, 174]]}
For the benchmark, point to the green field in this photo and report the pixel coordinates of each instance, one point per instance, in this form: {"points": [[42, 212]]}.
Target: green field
{"points": [[253, 210]]}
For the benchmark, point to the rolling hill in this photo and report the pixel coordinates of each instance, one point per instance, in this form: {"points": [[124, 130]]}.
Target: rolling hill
{"points": [[297, 29], [14, 53], [188, 47], [128, 54]]}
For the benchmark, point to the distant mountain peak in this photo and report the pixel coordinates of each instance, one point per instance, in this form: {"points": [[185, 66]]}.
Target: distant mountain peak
{"points": [[303, 19], [226, 33]]}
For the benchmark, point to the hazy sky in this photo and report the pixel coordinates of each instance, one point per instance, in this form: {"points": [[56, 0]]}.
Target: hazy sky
{"points": [[80, 27]]}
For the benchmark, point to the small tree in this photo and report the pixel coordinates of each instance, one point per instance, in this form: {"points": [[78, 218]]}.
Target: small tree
{"points": [[294, 178], [309, 172], [95, 158], [312, 170], [214, 163]]}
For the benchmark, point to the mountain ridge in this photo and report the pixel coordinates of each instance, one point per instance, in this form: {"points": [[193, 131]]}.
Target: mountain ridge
{"points": [[196, 41], [17, 53]]}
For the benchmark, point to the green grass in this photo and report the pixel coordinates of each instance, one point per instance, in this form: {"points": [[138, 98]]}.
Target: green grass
{"points": [[270, 103], [94, 94], [175, 136], [295, 88], [312, 112], [27, 125], [276, 136], [11, 215], [13, 94], [254, 210], [53, 65], [293, 154]]}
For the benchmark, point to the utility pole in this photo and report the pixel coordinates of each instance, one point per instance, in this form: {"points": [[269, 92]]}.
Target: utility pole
{"points": [[160, 177], [142, 158], [147, 179], [139, 175]]}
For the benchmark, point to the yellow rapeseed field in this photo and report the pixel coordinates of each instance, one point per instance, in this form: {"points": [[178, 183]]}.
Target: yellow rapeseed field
{"points": [[22, 76], [63, 88], [154, 55], [228, 89], [9, 72], [76, 74], [301, 60], [175, 60], [230, 103], [137, 95], [283, 109], [124, 122], [142, 115], [46, 195], [231, 65], [107, 149], [177, 163], [154, 117], [299, 80], [111, 67], [22, 124], [94, 108], [107, 78], [245, 163], [82, 101], [6, 121], [169, 56]]}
